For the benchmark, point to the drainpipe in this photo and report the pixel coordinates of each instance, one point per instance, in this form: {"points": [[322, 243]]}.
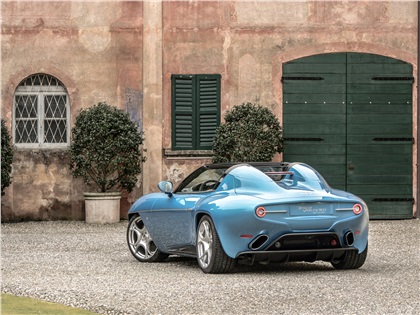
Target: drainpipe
{"points": [[418, 111]]}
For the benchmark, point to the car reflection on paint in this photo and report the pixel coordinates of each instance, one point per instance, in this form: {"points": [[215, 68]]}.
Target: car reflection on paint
{"points": [[228, 214]]}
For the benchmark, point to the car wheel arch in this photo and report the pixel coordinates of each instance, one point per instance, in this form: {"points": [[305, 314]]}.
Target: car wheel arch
{"points": [[130, 215], [198, 217]]}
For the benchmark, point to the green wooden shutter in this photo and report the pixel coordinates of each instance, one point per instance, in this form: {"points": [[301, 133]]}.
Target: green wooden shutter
{"points": [[208, 109], [195, 111], [183, 125]]}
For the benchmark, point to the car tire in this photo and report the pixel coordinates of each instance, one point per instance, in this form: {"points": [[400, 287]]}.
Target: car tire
{"points": [[210, 255], [140, 242], [352, 260]]}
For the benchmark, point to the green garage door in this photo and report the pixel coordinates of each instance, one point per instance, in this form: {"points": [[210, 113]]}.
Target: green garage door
{"points": [[349, 115]]}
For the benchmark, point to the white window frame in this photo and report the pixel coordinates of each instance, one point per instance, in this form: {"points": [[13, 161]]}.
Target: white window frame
{"points": [[40, 92]]}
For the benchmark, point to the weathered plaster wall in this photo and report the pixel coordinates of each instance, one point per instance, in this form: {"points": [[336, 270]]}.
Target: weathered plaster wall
{"points": [[42, 186], [94, 48], [99, 51], [248, 41]]}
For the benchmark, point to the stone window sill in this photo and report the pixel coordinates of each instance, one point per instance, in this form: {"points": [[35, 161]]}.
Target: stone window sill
{"points": [[187, 154]]}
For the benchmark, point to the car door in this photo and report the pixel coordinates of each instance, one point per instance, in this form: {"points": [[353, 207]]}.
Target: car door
{"points": [[171, 222]]}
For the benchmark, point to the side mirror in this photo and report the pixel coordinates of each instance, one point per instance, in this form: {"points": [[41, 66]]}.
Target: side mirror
{"points": [[166, 187]]}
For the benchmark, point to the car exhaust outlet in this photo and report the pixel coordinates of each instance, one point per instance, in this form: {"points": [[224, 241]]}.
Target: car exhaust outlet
{"points": [[258, 242], [349, 238]]}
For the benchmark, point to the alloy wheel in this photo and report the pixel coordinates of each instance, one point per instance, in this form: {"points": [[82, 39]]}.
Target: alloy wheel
{"points": [[140, 241], [205, 244]]}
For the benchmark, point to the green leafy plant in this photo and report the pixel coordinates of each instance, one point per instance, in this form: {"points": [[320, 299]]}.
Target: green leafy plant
{"points": [[6, 157], [105, 149], [250, 133]]}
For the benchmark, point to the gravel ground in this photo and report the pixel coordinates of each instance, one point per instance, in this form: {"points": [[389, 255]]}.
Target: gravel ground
{"points": [[90, 266]]}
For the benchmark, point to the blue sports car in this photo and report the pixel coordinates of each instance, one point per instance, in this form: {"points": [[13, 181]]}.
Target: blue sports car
{"points": [[228, 214]]}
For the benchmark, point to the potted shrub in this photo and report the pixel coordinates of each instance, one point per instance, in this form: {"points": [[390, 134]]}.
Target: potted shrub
{"points": [[6, 157], [105, 152], [250, 133]]}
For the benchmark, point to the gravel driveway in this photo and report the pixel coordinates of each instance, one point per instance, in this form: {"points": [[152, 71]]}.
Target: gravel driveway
{"points": [[89, 266]]}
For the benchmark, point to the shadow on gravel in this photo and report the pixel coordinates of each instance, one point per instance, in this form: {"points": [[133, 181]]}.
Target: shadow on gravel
{"points": [[291, 267]]}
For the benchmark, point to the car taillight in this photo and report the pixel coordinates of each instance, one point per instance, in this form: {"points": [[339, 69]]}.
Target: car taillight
{"points": [[260, 212], [357, 208]]}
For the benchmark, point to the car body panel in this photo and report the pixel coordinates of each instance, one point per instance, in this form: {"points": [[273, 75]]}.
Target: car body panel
{"points": [[177, 229], [297, 201]]}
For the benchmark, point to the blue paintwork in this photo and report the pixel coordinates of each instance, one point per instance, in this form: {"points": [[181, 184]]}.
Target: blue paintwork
{"points": [[301, 202]]}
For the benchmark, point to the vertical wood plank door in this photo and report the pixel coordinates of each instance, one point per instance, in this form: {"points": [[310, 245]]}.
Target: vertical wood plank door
{"points": [[349, 115]]}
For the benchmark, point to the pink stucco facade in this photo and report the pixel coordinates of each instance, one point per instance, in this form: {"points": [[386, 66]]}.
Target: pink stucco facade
{"points": [[125, 53]]}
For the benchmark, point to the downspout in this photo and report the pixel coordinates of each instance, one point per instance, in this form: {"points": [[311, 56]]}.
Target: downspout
{"points": [[418, 110]]}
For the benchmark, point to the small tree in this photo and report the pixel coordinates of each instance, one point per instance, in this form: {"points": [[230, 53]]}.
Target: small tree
{"points": [[250, 133], [105, 149], [6, 157]]}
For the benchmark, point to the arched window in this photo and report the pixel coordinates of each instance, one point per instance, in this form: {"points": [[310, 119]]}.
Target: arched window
{"points": [[41, 112]]}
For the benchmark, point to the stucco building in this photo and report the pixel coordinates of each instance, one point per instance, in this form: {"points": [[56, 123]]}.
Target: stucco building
{"points": [[341, 76]]}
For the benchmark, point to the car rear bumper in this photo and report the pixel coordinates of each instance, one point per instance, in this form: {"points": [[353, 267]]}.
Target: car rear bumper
{"points": [[325, 246], [281, 256]]}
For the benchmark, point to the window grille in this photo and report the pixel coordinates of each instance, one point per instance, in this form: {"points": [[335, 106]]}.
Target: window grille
{"points": [[41, 112]]}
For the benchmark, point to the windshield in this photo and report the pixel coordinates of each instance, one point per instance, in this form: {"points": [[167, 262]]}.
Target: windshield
{"points": [[203, 179]]}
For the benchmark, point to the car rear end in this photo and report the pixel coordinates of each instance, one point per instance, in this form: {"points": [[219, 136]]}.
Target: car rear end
{"points": [[307, 231], [297, 218]]}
